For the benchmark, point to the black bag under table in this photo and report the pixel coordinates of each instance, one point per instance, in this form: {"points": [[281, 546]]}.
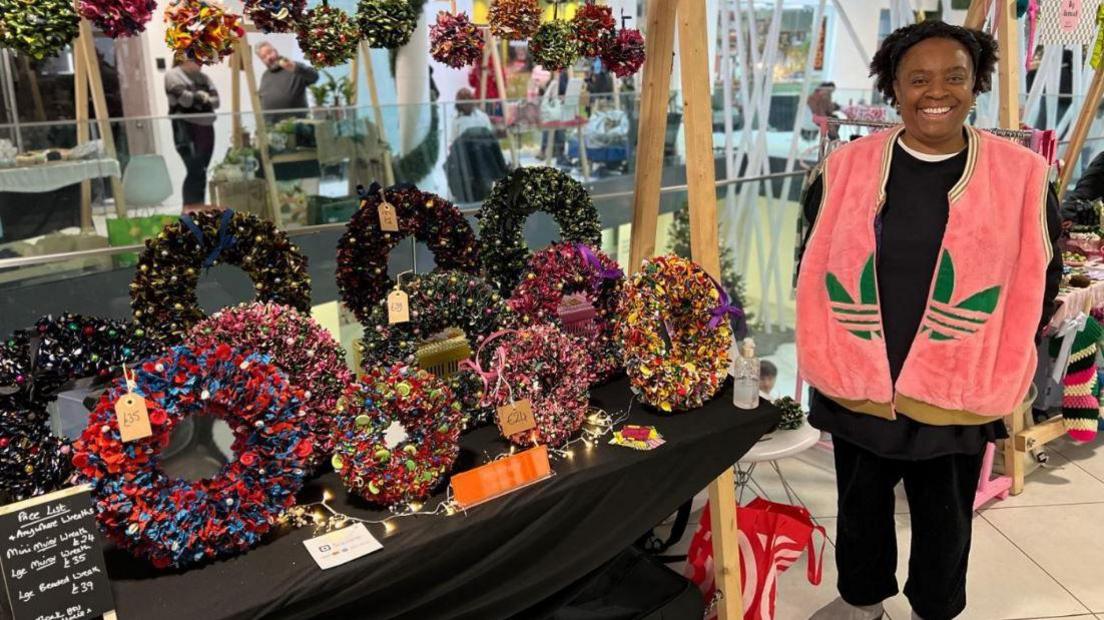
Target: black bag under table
{"points": [[499, 560]]}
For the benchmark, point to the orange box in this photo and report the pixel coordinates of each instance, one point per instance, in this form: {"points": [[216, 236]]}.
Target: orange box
{"points": [[500, 477]]}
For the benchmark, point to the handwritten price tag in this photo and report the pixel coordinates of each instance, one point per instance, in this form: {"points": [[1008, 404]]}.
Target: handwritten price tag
{"points": [[389, 221], [516, 417], [130, 410], [398, 307]]}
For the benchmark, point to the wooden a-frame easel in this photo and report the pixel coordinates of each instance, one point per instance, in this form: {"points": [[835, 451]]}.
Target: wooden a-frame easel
{"points": [[702, 191]]}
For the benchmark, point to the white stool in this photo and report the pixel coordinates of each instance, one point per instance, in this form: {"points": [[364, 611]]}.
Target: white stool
{"points": [[778, 445]]}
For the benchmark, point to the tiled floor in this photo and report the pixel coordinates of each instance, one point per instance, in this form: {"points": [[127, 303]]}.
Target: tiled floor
{"points": [[1039, 555]]}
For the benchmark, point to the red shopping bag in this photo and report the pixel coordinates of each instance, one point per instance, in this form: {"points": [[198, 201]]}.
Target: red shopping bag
{"points": [[772, 537]]}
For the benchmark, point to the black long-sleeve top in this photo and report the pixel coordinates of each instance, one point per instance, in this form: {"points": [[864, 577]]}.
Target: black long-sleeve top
{"points": [[910, 230]]}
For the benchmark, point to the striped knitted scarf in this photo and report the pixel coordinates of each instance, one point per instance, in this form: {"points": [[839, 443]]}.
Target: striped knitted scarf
{"points": [[1081, 385]]}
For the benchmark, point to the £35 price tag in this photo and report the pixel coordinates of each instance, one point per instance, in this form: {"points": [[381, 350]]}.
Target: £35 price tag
{"points": [[131, 412]]}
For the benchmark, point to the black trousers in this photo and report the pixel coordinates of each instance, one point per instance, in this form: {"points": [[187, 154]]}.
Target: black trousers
{"points": [[940, 496], [195, 144]]}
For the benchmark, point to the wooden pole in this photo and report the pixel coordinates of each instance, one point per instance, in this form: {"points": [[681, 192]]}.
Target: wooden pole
{"points": [[80, 91], [655, 92], [500, 83], [36, 92], [99, 102], [377, 112], [976, 14], [1081, 129], [1008, 66], [245, 55], [237, 65]]}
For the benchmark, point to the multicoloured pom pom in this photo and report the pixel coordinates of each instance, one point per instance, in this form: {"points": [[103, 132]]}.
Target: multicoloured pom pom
{"points": [[201, 30], [275, 15], [564, 269], [363, 250], [675, 334], [593, 25], [513, 199], [295, 343], [386, 24], [514, 20], [455, 41], [551, 370], [118, 18], [174, 522], [328, 36], [163, 292], [437, 301], [396, 435], [39, 29], [554, 46], [625, 53]]}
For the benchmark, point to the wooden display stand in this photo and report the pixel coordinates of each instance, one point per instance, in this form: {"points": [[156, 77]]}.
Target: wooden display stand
{"points": [[241, 61], [364, 57], [88, 81], [702, 190]]}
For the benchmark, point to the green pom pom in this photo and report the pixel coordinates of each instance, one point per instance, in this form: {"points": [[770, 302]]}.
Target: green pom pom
{"points": [[39, 29], [386, 24], [554, 46]]}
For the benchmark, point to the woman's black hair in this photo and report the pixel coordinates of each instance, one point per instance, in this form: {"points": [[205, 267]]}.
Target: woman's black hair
{"points": [[981, 47]]}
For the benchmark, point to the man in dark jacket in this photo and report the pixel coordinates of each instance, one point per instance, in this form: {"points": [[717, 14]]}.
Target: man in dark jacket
{"points": [[1089, 187]]}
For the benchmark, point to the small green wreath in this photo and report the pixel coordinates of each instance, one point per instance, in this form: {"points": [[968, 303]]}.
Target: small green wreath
{"points": [[514, 198], [39, 29], [163, 292]]}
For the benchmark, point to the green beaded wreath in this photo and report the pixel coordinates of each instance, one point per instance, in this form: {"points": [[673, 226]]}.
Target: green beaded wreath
{"points": [[163, 292], [513, 199], [386, 24], [438, 301], [40, 28]]}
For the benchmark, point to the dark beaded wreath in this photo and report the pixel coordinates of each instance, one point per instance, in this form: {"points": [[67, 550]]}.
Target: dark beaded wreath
{"points": [[438, 301], [513, 199], [363, 250], [163, 293], [35, 365]]}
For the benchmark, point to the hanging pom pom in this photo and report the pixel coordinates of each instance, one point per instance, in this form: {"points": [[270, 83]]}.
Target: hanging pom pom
{"points": [[514, 20], [275, 15], [593, 23], [118, 18], [39, 29], [624, 54], [554, 46], [328, 36], [201, 30], [386, 24], [455, 41]]}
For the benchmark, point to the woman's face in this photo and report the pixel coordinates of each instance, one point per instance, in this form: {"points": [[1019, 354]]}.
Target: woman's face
{"points": [[934, 86]]}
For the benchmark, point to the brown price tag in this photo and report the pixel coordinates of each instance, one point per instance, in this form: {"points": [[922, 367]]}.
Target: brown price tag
{"points": [[398, 307], [389, 222], [516, 417], [133, 417]]}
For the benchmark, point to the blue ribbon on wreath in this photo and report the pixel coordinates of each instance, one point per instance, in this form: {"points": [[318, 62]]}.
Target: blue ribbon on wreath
{"points": [[225, 241]]}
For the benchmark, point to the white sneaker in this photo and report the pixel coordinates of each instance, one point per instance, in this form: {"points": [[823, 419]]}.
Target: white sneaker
{"points": [[840, 609]]}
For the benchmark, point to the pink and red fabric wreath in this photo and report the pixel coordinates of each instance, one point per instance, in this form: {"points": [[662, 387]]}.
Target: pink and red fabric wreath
{"points": [[118, 18]]}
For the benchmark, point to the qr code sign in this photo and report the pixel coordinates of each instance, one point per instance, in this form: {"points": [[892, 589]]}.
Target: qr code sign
{"points": [[1067, 22]]}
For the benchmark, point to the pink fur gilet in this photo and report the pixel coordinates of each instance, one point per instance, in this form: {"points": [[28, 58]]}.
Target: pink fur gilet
{"points": [[974, 356]]}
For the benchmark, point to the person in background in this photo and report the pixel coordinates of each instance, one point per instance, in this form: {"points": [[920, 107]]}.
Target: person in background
{"points": [[1089, 188], [192, 93], [821, 104], [284, 83], [768, 375], [468, 114], [913, 371]]}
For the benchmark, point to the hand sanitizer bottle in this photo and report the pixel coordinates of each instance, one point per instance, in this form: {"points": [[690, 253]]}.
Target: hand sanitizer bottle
{"points": [[745, 377]]}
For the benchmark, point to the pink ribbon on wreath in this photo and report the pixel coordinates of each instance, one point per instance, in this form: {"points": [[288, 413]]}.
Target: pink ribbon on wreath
{"points": [[487, 376]]}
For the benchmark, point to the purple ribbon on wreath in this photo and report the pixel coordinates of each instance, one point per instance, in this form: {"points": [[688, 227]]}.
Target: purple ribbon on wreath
{"points": [[613, 273], [725, 309]]}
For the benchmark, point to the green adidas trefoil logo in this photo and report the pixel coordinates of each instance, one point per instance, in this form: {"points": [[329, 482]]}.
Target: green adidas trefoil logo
{"points": [[944, 319]]}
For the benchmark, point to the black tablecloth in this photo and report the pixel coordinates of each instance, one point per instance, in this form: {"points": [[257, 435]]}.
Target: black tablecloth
{"points": [[498, 560]]}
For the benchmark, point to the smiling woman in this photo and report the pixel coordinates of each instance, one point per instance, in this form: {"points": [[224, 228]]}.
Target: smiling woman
{"points": [[917, 316]]}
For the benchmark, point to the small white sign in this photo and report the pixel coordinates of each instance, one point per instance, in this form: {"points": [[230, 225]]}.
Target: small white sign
{"points": [[395, 435], [344, 545]]}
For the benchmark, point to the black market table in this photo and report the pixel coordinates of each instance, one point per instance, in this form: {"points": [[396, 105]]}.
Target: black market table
{"points": [[498, 560]]}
